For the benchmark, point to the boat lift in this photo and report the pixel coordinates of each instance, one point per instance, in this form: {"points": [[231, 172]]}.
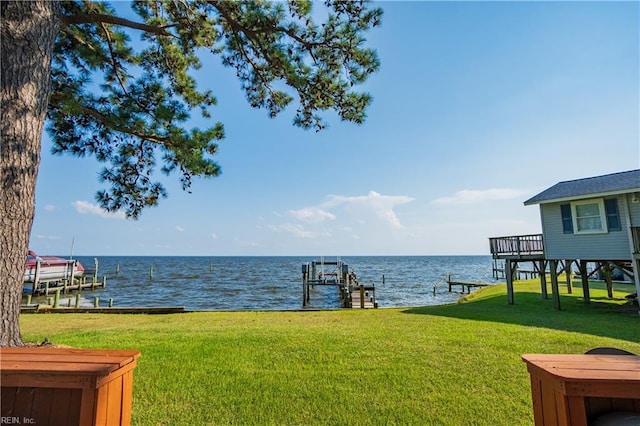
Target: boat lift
{"points": [[349, 288]]}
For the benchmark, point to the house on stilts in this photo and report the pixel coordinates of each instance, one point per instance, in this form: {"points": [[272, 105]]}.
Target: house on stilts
{"points": [[594, 220]]}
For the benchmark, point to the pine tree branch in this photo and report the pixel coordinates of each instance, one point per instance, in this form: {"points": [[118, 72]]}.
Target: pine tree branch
{"points": [[77, 39], [114, 62], [115, 20], [112, 125], [252, 34]]}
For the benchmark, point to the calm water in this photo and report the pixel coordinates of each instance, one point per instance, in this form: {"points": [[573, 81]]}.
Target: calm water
{"points": [[269, 283]]}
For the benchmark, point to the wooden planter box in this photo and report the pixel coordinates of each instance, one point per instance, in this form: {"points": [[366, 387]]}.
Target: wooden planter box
{"points": [[573, 390], [60, 386]]}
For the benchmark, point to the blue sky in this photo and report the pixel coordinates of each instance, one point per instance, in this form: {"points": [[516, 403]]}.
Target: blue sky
{"points": [[477, 107]]}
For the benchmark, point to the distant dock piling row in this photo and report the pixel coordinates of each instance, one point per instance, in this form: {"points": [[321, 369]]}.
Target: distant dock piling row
{"points": [[352, 293]]}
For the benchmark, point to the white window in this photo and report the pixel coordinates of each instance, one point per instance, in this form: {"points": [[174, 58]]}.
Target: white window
{"points": [[589, 217]]}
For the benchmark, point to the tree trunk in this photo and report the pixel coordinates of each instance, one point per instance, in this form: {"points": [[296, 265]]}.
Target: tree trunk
{"points": [[28, 31]]}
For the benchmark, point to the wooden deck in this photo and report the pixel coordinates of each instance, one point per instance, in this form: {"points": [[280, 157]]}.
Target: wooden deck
{"points": [[519, 247]]}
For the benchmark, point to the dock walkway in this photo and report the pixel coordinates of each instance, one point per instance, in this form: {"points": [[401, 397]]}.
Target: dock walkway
{"points": [[361, 298], [352, 293], [468, 284], [45, 288]]}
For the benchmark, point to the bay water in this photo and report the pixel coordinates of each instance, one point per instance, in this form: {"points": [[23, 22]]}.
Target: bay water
{"points": [[274, 282]]}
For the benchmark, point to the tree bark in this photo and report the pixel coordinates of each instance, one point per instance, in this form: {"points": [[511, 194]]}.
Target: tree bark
{"points": [[27, 34]]}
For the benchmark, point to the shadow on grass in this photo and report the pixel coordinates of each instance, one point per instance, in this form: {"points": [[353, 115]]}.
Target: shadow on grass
{"points": [[602, 317]]}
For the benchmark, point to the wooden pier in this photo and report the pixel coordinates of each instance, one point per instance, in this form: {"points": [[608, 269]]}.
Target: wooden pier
{"points": [[468, 284], [352, 293], [362, 298], [45, 288]]}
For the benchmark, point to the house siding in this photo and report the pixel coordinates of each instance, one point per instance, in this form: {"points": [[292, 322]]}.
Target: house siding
{"points": [[613, 245], [634, 209]]}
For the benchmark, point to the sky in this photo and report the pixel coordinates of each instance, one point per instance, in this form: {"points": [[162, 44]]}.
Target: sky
{"points": [[477, 107]]}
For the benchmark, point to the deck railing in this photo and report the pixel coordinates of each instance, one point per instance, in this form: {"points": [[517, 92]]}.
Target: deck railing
{"points": [[635, 234], [519, 245]]}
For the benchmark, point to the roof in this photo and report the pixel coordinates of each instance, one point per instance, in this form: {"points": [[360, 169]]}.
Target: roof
{"points": [[615, 183]]}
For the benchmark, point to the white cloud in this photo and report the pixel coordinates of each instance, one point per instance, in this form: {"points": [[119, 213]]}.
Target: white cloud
{"points": [[49, 207], [179, 228], [311, 214], [372, 198], [475, 196], [381, 205], [214, 236], [297, 231], [84, 207], [391, 217], [374, 211]]}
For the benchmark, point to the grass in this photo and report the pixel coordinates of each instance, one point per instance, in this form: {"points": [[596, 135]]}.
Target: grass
{"points": [[443, 365]]}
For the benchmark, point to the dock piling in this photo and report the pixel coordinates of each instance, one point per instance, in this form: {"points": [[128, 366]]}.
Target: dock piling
{"points": [[36, 281], [305, 286]]}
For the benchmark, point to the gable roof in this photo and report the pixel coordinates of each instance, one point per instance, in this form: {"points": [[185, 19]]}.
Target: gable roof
{"points": [[615, 183]]}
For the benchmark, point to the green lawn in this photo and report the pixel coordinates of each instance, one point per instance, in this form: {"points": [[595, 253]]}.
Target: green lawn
{"points": [[445, 365]]}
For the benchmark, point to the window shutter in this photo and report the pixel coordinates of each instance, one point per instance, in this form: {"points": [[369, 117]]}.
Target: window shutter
{"points": [[567, 222], [613, 218]]}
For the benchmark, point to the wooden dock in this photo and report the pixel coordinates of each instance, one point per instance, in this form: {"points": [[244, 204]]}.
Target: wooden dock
{"points": [[362, 298], [464, 284], [352, 293], [45, 288]]}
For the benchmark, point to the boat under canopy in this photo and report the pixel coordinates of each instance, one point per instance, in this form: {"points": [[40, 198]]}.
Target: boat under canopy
{"points": [[50, 268]]}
